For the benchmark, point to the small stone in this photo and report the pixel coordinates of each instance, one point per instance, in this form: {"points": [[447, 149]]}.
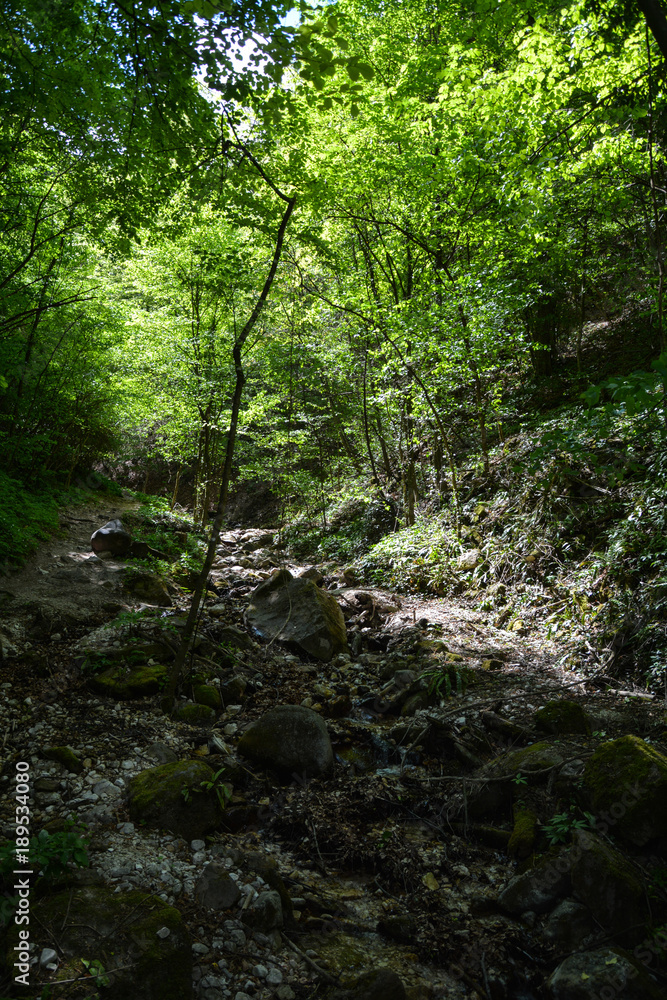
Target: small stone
{"points": [[274, 977], [164, 932], [285, 993], [260, 971], [47, 956], [200, 949], [198, 845]]}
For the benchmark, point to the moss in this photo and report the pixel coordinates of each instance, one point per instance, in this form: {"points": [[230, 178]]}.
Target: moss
{"points": [[535, 757], [206, 694], [120, 929], [492, 664], [626, 784], [415, 703], [171, 797], [562, 717], [195, 715], [524, 834], [64, 756], [122, 684], [609, 886]]}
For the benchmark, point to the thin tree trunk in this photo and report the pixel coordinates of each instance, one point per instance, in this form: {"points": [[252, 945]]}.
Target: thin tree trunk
{"points": [[200, 587]]}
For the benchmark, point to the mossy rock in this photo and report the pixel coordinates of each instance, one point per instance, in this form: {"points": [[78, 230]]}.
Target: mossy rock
{"points": [[291, 740], [296, 611], [607, 972], [379, 984], [206, 694], [485, 800], [64, 756], [123, 683], [562, 717], [148, 587], [195, 715], [626, 784], [536, 757], [233, 690], [415, 702], [120, 931], [609, 886], [171, 797], [524, 833]]}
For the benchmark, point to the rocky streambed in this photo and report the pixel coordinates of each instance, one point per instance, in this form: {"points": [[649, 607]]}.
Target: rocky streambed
{"points": [[360, 794]]}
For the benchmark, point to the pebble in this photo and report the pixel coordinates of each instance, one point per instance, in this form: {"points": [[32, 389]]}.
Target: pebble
{"points": [[198, 845], [274, 977], [163, 933]]}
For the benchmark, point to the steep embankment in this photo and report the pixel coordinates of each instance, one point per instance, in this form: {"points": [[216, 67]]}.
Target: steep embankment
{"points": [[449, 779]]}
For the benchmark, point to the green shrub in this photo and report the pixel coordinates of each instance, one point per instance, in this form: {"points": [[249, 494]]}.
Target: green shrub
{"points": [[26, 518]]}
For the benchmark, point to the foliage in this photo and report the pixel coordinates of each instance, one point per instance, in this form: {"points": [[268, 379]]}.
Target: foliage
{"points": [[26, 518], [559, 828], [51, 854], [214, 784]]}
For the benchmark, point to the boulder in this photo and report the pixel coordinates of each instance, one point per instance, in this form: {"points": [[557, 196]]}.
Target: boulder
{"points": [[148, 587], [195, 715], [112, 538], [64, 756], [173, 797], [604, 974], [486, 799], [259, 542], [291, 740], [539, 888], [567, 926], [266, 913], [297, 611], [216, 888], [608, 885], [562, 717], [207, 694], [132, 932], [380, 984], [626, 784], [468, 560]]}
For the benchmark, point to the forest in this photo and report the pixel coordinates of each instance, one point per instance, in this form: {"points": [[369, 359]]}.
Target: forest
{"points": [[388, 279]]}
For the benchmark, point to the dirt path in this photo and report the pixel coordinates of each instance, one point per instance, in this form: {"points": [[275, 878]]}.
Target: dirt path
{"points": [[64, 586]]}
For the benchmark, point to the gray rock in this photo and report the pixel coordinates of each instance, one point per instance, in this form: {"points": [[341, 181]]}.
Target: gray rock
{"points": [[297, 611], [609, 887], [290, 739], [605, 973], [567, 926], [258, 543], [266, 913], [538, 888], [112, 538], [216, 889], [161, 753]]}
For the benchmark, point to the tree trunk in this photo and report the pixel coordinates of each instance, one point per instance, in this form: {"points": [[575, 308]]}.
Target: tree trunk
{"points": [[200, 587]]}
